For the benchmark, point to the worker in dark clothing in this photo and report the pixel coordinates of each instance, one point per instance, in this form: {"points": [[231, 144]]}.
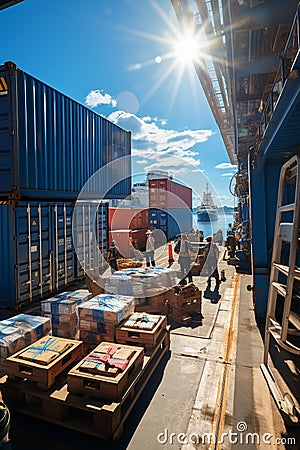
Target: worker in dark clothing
{"points": [[185, 260], [231, 241], [5, 442], [212, 258], [112, 256]]}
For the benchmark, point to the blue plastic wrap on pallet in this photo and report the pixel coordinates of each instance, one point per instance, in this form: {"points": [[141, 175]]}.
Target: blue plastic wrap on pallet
{"points": [[20, 331], [65, 303], [107, 308]]}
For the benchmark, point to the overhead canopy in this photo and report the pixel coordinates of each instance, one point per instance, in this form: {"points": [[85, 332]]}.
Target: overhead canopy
{"points": [[237, 69]]}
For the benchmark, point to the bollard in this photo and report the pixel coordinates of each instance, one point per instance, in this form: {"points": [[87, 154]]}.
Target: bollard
{"points": [[170, 254]]}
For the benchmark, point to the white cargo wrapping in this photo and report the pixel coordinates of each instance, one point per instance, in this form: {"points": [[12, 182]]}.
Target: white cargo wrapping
{"points": [[106, 308], [20, 331], [137, 282]]}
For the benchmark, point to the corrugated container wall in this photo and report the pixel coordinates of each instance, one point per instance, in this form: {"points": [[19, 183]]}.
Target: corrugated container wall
{"points": [[124, 218], [165, 194], [172, 221], [37, 255], [123, 242], [50, 145]]}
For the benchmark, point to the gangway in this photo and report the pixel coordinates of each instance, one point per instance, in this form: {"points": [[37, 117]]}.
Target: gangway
{"points": [[284, 276]]}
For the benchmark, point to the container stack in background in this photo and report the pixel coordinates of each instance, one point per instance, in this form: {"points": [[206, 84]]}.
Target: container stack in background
{"points": [[61, 310], [50, 145], [129, 225], [170, 206]]}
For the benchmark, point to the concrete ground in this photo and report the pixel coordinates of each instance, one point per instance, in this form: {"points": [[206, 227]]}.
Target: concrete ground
{"points": [[208, 394]]}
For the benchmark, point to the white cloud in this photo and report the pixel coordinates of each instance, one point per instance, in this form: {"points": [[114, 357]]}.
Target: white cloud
{"points": [[97, 97], [159, 146], [228, 174], [225, 166]]}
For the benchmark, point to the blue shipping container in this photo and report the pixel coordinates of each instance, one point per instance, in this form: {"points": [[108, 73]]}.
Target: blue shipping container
{"points": [[50, 145], [90, 216], [171, 221], [37, 254]]}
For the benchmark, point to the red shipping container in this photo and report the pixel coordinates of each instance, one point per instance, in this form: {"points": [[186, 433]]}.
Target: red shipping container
{"points": [[140, 237], [165, 193], [140, 220], [128, 218], [123, 241], [126, 238]]}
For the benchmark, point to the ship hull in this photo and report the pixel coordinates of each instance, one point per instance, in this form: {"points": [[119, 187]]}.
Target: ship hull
{"points": [[207, 215]]}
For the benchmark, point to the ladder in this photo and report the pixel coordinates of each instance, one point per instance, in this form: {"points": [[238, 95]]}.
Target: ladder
{"points": [[286, 329]]}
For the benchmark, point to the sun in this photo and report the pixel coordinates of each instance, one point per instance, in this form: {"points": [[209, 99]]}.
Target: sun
{"points": [[187, 48]]}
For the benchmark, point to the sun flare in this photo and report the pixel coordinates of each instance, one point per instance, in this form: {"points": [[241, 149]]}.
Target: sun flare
{"points": [[186, 49]]}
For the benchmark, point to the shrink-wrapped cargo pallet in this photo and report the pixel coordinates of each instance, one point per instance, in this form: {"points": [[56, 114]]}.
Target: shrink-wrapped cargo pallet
{"points": [[140, 282], [20, 331], [99, 317], [61, 309]]}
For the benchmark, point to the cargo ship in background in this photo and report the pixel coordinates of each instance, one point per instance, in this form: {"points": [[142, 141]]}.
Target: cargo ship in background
{"points": [[207, 211]]}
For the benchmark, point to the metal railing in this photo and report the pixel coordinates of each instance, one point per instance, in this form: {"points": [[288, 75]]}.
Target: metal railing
{"points": [[285, 70]]}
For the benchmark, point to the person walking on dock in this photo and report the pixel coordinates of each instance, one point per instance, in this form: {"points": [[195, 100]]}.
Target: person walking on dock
{"points": [[150, 249], [185, 260], [212, 258], [112, 256]]}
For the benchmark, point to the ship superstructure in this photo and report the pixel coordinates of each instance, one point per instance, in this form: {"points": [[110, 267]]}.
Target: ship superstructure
{"points": [[207, 211]]}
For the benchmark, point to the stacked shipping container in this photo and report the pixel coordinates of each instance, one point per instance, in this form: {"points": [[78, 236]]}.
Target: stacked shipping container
{"points": [[37, 251], [167, 194], [126, 224], [129, 218], [50, 146], [170, 207]]}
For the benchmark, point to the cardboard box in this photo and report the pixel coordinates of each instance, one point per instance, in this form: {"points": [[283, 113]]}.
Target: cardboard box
{"points": [[20, 331], [107, 308]]}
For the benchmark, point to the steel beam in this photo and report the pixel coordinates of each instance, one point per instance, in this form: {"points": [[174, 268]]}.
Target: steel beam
{"points": [[7, 3], [261, 65], [271, 12]]}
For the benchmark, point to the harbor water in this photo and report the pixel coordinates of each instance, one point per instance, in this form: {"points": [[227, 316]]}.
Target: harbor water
{"points": [[209, 228]]}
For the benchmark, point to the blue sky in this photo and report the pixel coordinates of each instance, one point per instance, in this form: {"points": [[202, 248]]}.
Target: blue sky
{"points": [[118, 57]]}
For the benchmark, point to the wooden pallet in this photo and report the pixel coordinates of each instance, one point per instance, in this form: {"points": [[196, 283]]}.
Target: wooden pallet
{"points": [[183, 319], [104, 381], [46, 363], [126, 334], [164, 309], [95, 417]]}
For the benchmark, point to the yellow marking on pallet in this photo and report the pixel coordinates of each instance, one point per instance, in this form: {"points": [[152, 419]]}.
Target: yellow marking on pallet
{"points": [[230, 340]]}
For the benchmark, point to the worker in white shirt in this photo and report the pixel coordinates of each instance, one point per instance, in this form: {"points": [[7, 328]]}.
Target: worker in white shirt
{"points": [[150, 249]]}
